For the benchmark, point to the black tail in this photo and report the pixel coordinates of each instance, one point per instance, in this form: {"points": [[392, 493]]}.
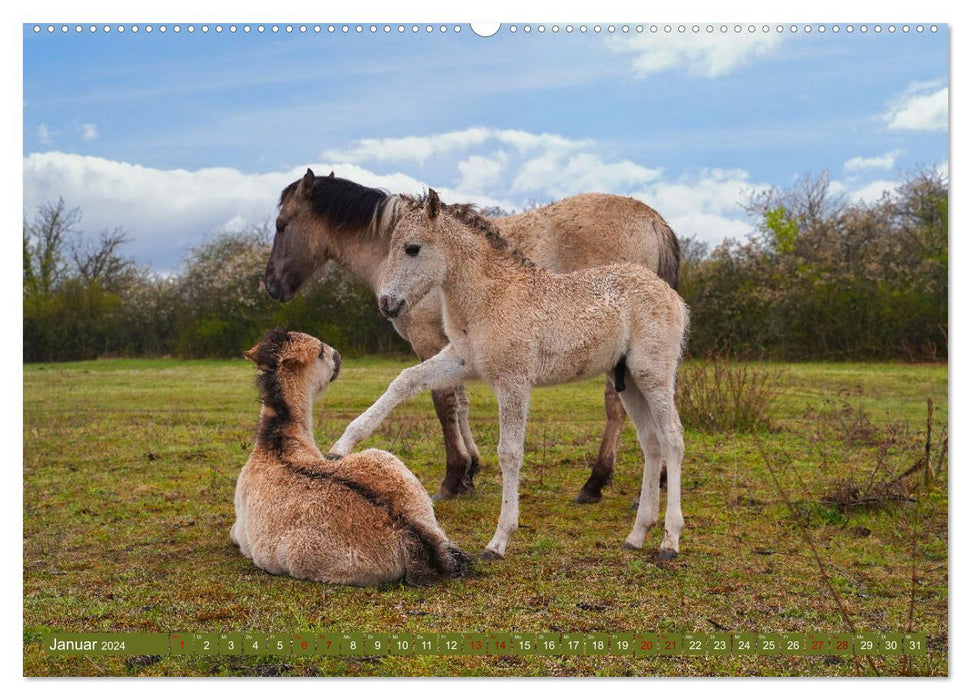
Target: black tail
{"points": [[431, 561], [619, 370]]}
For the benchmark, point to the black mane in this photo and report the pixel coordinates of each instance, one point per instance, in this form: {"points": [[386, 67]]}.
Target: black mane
{"points": [[269, 432], [342, 203]]}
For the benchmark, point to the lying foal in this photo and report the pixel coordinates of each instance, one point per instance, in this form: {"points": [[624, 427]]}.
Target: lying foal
{"points": [[363, 519]]}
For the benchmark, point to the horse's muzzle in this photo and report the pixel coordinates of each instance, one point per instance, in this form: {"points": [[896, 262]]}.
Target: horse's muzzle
{"points": [[274, 289], [390, 306]]}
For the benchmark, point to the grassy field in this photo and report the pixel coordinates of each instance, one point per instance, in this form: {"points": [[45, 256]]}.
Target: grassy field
{"points": [[130, 467]]}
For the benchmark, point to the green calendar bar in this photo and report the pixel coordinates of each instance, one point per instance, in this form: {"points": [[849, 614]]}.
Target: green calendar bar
{"points": [[349, 644]]}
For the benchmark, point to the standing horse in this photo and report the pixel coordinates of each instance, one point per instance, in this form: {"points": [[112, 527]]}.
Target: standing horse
{"points": [[516, 326], [329, 218]]}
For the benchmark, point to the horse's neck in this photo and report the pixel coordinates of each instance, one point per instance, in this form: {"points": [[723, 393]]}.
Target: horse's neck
{"points": [[294, 436], [362, 254], [477, 281]]}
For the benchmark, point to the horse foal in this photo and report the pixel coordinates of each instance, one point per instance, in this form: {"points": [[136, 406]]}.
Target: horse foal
{"points": [[517, 325], [363, 519]]}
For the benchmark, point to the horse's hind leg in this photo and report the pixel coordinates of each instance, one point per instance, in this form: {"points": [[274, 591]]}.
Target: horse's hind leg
{"points": [[513, 414], [671, 438], [603, 469], [650, 493]]}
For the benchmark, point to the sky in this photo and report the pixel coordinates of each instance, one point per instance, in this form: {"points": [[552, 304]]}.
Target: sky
{"points": [[174, 136]]}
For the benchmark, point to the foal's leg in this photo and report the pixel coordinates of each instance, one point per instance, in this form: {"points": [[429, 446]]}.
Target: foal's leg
{"points": [[513, 414], [443, 370], [650, 493], [423, 329], [603, 469], [670, 439]]}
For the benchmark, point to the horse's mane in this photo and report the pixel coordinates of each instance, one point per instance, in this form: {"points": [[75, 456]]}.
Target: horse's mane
{"points": [[344, 204], [469, 215]]}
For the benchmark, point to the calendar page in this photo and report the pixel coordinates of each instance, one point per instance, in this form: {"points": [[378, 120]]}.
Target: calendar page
{"points": [[420, 348]]}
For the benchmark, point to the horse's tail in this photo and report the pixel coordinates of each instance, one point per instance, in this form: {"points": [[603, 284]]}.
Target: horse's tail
{"points": [[432, 557], [668, 254]]}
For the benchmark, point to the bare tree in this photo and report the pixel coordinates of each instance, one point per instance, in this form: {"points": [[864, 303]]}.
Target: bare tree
{"points": [[100, 262], [45, 241]]}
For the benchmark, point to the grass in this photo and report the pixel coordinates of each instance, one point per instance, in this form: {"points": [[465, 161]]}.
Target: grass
{"points": [[130, 467]]}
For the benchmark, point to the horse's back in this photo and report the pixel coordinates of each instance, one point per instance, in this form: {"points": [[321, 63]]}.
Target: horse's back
{"points": [[590, 230]]}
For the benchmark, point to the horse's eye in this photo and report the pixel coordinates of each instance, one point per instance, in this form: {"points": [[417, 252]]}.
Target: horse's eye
{"points": [[412, 249], [280, 225]]}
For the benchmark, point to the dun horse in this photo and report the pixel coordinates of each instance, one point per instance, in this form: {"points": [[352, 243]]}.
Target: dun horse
{"points": [[329, 218], [364, 519], [516, 326]]}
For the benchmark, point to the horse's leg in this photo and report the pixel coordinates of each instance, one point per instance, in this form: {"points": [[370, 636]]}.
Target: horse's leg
{"points": [[443, 370], [462, 414], [668, 441], [423, 329], [513, 414], [603, 469], [457, 461], [650, 493]]}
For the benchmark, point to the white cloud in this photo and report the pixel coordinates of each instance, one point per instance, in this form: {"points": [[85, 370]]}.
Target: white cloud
{"points": [[921, 107], [420, 148], [169, 211], [480, 173], [703, 55], [89, 132], [873, 191], [43, 134], [558, 174], [884, 162], [706, 205], [410, 148]]}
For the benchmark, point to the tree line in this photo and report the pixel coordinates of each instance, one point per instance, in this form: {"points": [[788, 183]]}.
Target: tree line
{"points": [[819, 278]]}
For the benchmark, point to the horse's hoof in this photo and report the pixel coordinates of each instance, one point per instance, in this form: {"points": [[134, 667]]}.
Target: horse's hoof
{"points": [[665, 554], [444, 496], [634, 506], [628, 545], [585, 497], [489, 555]]}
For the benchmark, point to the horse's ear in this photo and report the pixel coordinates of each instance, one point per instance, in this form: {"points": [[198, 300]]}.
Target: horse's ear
{"points": [[331, 174], [433, 204], [307, 183], [254, 355]]}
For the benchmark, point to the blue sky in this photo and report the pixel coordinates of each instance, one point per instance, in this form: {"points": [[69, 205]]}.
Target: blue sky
{"points": [[173, 136]]}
